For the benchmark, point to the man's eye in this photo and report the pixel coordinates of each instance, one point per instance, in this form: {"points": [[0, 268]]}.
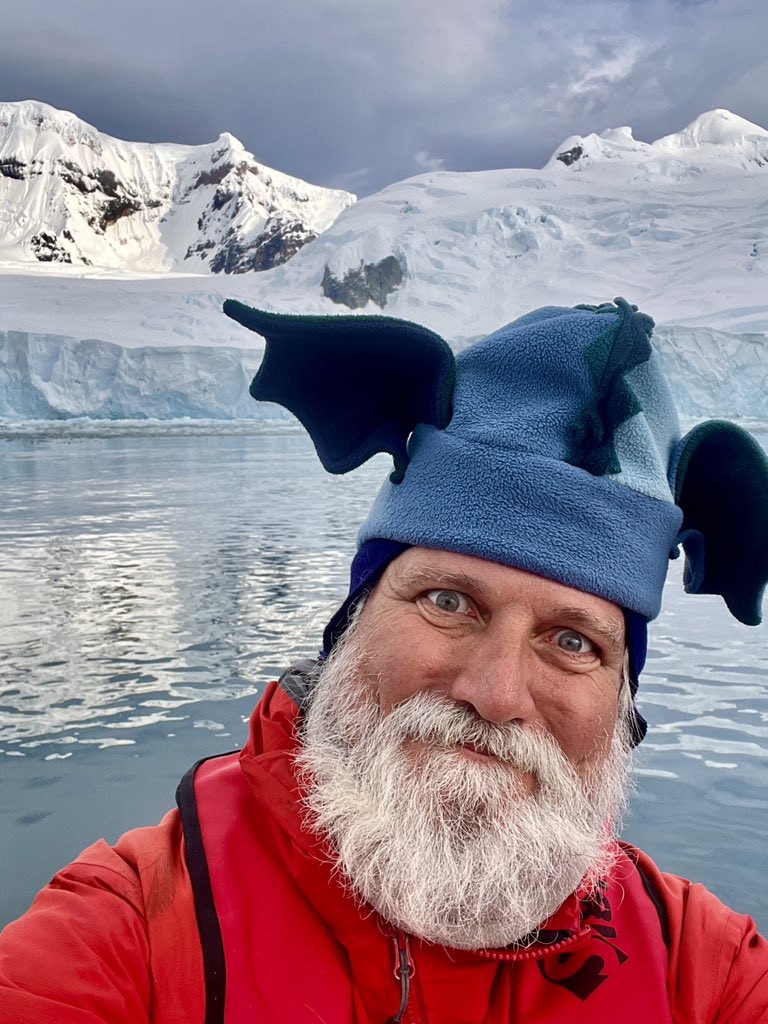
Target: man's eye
{"points": [[448, 600], [574, 643]]}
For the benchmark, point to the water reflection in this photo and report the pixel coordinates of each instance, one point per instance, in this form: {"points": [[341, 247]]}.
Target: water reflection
{"points": [[139, 575]]}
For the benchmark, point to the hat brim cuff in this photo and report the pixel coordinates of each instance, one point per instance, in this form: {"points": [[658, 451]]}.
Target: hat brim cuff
{"points": [[531, 512]]}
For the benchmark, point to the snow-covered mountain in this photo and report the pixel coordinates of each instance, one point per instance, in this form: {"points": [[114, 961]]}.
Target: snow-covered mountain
{"points": [[71, 194], [679, 226]]}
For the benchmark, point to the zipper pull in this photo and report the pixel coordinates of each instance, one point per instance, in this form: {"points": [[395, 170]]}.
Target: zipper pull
{"points": [[404, 970]]}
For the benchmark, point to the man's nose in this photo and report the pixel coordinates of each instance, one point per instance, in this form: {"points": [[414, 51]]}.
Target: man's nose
{"points": [[497, 684]]}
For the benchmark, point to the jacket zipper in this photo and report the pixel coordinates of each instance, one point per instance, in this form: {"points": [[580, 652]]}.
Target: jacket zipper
{"points": [[404, 970]]}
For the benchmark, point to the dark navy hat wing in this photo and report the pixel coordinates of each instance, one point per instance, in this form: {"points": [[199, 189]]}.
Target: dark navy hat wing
{"points": [[359, 384], [719, 478]]}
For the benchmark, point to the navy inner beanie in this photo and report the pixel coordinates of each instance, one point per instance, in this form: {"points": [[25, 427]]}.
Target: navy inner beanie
{"points": [[369, 563]]}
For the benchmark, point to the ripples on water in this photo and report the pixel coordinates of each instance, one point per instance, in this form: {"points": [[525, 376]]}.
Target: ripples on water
{"points": [[153, 578], [140, 575]]}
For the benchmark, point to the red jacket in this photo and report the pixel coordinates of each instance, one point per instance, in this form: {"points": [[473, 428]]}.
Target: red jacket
{"points": [[114, 938]]}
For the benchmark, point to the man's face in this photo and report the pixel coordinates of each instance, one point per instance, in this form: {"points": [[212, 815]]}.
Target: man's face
{"points": [[512, 646], [461, 750]]}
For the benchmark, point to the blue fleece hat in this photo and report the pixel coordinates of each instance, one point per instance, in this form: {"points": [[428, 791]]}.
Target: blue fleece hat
{"points": [[552, 446], [554, 460]]}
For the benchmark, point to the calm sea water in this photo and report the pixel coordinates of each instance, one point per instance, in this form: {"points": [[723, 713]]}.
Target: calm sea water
{"points": [[153, 579]]}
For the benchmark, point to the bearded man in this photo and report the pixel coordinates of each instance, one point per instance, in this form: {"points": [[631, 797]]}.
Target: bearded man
{"points": [[422, 826], [465, 749]]}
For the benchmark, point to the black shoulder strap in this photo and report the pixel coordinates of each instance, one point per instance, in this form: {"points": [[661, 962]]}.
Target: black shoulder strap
{"points": [[653, 893], [214, 965]]}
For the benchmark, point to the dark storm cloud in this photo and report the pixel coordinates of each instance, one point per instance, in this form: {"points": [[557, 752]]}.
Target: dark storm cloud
{"points": [[356, 94]]}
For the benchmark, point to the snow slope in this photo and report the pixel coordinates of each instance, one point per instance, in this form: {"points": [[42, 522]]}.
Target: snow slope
{"points": [[679, 226]]}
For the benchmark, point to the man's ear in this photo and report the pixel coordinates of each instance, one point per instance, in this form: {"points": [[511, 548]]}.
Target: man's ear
{"points": [[719, 478], [359, 384]]}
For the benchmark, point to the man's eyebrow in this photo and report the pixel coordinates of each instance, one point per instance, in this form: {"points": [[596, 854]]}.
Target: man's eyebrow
{"points": [[610, 631], [427, 576]]}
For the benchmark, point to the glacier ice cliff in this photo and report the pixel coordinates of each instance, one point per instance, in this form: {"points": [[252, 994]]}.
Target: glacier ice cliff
{"points": [[713, 373], [53, 377]]}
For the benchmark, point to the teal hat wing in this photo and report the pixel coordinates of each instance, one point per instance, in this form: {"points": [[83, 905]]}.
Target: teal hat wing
{"points": [[719, 477], [359, 384], [623, 345]]}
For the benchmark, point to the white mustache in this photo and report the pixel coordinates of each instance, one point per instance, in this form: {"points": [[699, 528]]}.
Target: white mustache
{"points": [[434, 719]]}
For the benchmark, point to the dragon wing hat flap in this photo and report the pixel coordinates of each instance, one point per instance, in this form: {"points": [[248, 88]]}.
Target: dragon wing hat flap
{"points": [[358, 384], [719, 477]]}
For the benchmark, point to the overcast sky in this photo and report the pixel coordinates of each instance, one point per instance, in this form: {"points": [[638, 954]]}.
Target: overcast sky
{"points": [[359, 93]]}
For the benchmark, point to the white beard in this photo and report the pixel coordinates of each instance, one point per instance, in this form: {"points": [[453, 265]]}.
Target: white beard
{"points": [[454, 850]]}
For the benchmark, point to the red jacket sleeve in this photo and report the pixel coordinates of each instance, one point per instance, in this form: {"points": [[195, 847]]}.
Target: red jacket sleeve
{"points": [[718, 963], [745, 995], [111, 940], [80, 954], [723, 962]]}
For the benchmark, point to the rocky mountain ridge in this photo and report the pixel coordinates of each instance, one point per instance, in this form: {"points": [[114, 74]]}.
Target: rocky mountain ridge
{"points": [[70, 194]]}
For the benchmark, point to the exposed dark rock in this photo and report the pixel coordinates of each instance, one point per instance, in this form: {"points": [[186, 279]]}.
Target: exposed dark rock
{"points": [[73, 175], [279, 241], [46, 249], [201, 249], [221, 198], [213, 177], [217, 174], [121, 201], [108, 184], [117, 208], [370, 282], [13, 168], [570, 156]]}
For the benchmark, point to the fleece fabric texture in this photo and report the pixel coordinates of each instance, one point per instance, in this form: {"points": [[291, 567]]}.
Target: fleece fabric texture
{"points": [[349, 423], [499, 481], [553, 445], [720, 478]]}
